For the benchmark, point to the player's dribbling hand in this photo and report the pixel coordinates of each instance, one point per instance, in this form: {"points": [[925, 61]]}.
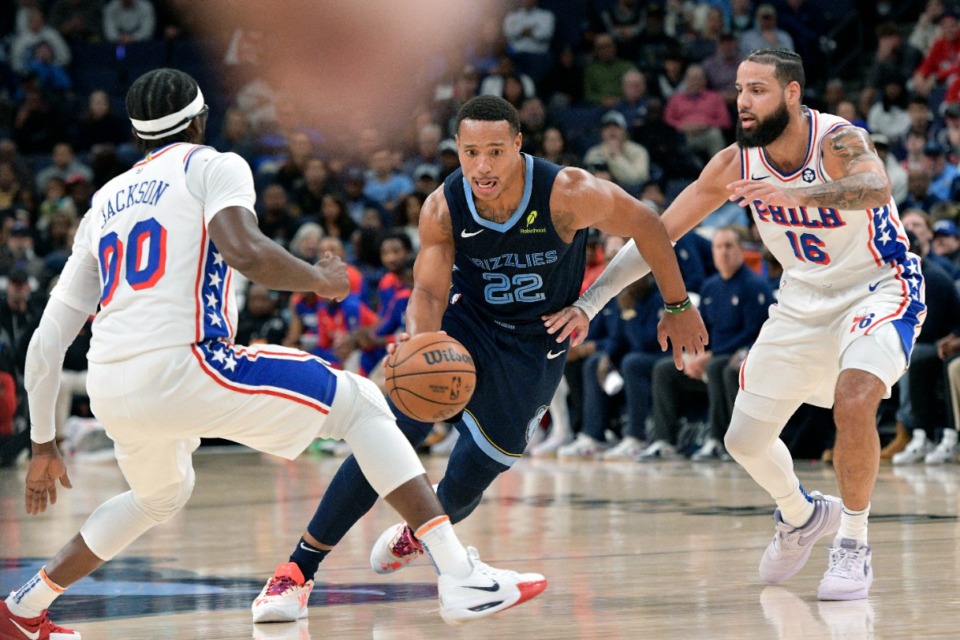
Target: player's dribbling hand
{"points": [[336, 281], [403, 337], [569, 321], [686, 333], [46, 467]]}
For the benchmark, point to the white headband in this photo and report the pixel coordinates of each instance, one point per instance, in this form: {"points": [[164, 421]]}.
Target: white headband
{"points": [[168, 125]]}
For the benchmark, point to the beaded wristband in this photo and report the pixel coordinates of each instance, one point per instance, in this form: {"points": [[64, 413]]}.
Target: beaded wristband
{"points": [[678, 307]]}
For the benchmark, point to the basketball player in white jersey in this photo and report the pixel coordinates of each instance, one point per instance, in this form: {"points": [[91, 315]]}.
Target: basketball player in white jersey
{"points": [[850, 306], [156, 253]]}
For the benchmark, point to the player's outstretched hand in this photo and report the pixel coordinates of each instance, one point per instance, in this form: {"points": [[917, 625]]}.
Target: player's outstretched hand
{"points": [[686, 333], [766, 191], [46, 467], [403, 337], [336, 284], [566, 322]]}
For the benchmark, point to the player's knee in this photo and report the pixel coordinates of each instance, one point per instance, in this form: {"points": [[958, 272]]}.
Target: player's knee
{"points": [[741, 439], [162, 505]]}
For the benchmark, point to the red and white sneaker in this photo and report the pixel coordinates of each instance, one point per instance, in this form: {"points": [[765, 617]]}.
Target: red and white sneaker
{"points": [[40, 628], [285, 596], [394, 549], [485, 591]]}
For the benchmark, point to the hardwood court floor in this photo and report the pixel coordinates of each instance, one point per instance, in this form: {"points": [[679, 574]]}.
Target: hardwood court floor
{"points": [[661, 550]]}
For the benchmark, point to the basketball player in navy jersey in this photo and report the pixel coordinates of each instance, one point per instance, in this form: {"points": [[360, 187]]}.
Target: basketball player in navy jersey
{"points": [[502, 244], [850, 307]]}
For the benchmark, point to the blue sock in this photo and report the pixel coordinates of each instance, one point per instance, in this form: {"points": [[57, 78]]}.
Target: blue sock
{"points": [[308, 558]]}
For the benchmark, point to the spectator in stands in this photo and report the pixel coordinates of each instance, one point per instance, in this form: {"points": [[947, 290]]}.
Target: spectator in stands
{"points": [[77, 20], [65, 164], [336, 220], [734, 305], [700, 114], [893, 58], [564, 83], [721, 70], [603, 74], [889, 115], [42, 72], [633, 105], [702, 41], [628, 162], [126, 21], [623, 20], [277, 221], [427, 151], [37, 31], [237, 136], [655, 42], [927, 27], [533, 123], [554, 149], [920, 224], [896, 173], [407, 218], [300, 149], [308, 191], [13, 193], [914, 142], [942, 63], [765, 34], [353, 182], [99, 124], [803, 20], [426, 178], [669, 79], [741, 16], [260, 322], [508, 82], [941, 173], [384, 184], [665, 145], [323, 327], [449, 158], [393, 293], [926, 376], [946, 243], [450, 98], [632, 351], [918, 191], [529, 31]]}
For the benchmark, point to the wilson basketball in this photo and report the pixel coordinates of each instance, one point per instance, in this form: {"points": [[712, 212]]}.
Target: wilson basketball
{"points": [[430, 377]]}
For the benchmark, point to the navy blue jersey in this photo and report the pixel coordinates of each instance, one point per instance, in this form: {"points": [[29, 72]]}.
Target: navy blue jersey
{"points": [[516, 271]]}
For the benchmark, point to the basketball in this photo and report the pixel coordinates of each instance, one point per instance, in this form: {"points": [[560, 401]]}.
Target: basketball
{"points": [[430, 377]]}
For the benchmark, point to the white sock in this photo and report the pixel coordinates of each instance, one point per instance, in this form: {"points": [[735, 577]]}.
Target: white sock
{"points": [[448, 555], [796, 509], [853, 524], [34, 597]]}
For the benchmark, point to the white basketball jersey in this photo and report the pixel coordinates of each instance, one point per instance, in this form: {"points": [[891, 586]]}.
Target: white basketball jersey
{"points": [[819, 245], [163, 282]]}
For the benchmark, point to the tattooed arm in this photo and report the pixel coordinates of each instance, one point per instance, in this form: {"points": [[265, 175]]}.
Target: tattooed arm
{"points": [[859, 178]]}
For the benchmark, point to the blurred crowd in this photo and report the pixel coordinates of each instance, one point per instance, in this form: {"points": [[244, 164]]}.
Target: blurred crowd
{"points": [[640, 93]]}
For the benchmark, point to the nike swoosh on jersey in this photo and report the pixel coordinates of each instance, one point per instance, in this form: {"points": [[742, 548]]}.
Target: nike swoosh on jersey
{"points": [[551, 355], [753, 177], [873, 287], [464, 234], [36, 634], [492, 588]]}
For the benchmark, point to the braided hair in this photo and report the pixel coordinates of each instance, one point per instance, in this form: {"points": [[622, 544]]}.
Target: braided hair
{"points": [[159, 93], [788, 66]]}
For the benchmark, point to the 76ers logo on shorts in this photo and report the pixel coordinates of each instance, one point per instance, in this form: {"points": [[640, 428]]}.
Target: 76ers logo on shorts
{"points": [[862, 319]]}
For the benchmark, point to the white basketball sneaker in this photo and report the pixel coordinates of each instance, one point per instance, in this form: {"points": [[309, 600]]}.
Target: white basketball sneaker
{"points": [[946, 452], [394, 549], [790, 548], [917, 449], [849, 575], [284, 598], [485, 591]]}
